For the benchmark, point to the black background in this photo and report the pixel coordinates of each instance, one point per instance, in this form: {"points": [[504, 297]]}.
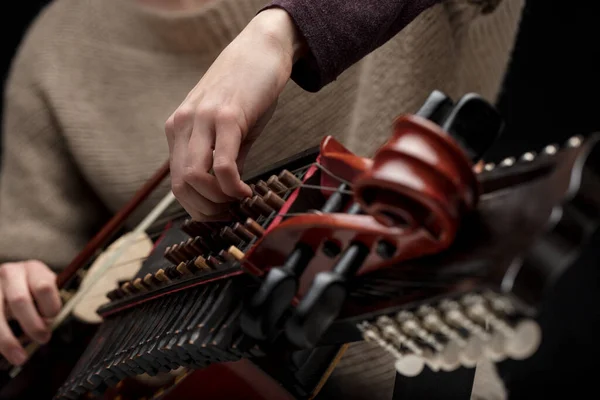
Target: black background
{"points": [[551, 92]]}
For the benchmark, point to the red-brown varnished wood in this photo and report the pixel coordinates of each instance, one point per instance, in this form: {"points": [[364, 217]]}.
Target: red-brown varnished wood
{"points": [[421, 177], [240, 380], [342, 163], [414, 192]]}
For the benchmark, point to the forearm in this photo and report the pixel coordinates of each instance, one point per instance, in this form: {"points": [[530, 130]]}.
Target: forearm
{"points": [[338, 33]]}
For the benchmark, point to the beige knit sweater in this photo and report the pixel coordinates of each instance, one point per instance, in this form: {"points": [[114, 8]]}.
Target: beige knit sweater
{"points": [[95, 80]]}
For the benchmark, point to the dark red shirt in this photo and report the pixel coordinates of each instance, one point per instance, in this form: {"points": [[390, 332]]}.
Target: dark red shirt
{"points": [[341, 32]]}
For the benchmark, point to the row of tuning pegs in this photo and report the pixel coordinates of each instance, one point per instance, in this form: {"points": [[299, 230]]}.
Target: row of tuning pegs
{"points": [[454, 333], [213, 244], [549, 150], [206, 237], [267, 196], [196, 265]]}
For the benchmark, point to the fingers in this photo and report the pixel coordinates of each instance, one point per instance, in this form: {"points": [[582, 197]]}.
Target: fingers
{"points": [[227, 148], [16, 290], [199, 207], [170, 134], [199, 159], [42, 285], [10, 347], [191, 148]]}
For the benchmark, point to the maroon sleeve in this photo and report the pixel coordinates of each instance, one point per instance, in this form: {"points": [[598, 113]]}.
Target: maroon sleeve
{"points": [[341, 32]]}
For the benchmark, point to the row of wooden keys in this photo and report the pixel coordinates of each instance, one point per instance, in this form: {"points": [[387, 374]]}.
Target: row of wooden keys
{"points": [[214, 244]]}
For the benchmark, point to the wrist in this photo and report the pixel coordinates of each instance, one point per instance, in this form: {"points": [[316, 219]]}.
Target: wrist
{"points": [[277, 26]]}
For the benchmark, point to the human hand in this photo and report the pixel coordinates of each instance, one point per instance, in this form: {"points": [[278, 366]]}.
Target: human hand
{"points": [[28, 294], [226, 111]]}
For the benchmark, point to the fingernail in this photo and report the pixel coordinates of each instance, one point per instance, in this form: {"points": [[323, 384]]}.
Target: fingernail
{"points": [[18, 356]]}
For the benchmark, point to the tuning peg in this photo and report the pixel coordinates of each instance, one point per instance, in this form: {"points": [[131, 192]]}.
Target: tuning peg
{"points": [[469, 348], [279, 287], [489, 167], [526, 339], [436, 107], [407, 363], [507, 162], [493, 347], [275, 185], [324, 299], [551, 149], [575, 141], [447, 356], [528, 157], [398, 334], [289, 179], [275, 294], [475, 124], [520, 341]]}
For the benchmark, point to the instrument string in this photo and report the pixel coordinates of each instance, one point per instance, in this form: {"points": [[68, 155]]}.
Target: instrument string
{"points": [[70, 305], [183, 213], [151, 220], [177, 215]]}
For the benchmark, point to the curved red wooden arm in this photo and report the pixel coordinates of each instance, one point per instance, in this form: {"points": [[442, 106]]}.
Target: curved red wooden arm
{"points": [[413, 193]]}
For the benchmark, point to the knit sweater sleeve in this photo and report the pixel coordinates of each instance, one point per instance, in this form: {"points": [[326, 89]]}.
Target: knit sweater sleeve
{"points": [[341, 32], [46, 211]]}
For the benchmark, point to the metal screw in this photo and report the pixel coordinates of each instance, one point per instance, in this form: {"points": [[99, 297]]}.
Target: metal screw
{"points": [[551, 149], [528, 157], [508, 162], [575, 141], [489, 167], [469, 350]]}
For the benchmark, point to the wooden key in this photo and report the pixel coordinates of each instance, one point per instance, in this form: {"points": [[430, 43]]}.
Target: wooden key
{"points": [[150, 280], [236, 253], [226, 256], [182, 269], [187, 250], [127, 288], [273, 200], [262, 188], [228, 235], [236, 211], [188, 228], [247, 211], [140, 285], [114, 294], [177, 253], [161, 276], [289, 179], [169, 256], [254, 227], [275, 185], [213, 261], [200, 263], [252, 212], [197, 245], [171, 272], [258, 203], [243, 232]]}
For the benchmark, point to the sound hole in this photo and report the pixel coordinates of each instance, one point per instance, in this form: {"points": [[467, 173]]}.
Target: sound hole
{"points": [[394, 218], [396, 209]]}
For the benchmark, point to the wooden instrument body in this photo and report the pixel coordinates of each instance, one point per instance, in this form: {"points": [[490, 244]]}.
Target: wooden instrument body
{"points": [[512, 230], [535, 219]]}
